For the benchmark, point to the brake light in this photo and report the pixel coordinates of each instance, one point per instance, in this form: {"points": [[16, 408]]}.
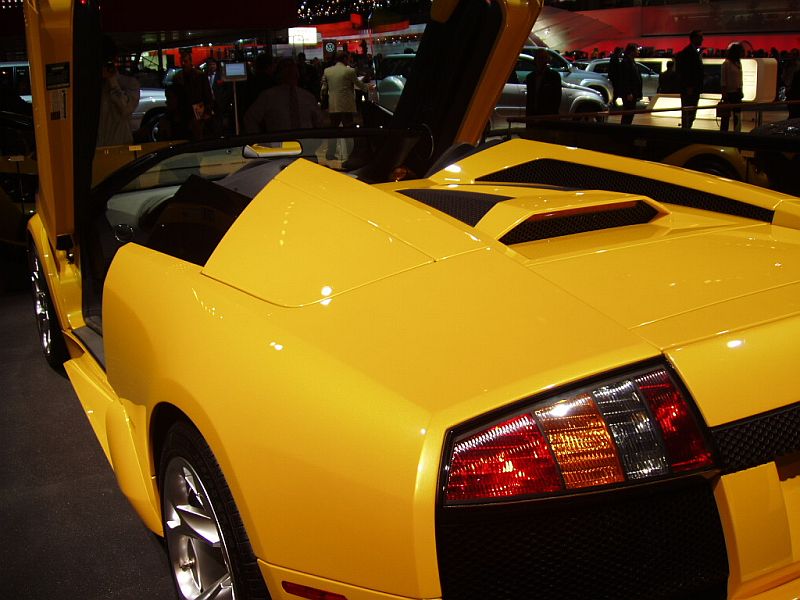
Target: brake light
{"points": [[509, 459], [628, 428], [685, 445]]}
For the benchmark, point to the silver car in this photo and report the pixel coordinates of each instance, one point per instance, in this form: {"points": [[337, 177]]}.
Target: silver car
{"points": [[571, 74], [574, 98], [394, 70], [649, 77]]}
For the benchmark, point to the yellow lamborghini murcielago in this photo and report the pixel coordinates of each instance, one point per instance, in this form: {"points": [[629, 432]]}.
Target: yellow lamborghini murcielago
{"points": [[529, 372]]}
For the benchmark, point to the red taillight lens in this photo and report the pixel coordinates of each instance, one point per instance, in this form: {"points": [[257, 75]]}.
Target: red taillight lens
{"points": [[509, 459], [629, 428], [686, 447]]}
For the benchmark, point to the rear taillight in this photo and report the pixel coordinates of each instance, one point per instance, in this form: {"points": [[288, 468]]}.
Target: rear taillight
{"points": [[634, 427]]}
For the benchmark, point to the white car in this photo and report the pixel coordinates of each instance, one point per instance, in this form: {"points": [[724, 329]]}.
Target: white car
{"points": [[149, 98]]}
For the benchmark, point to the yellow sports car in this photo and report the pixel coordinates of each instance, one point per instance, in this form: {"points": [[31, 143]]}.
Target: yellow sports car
{"points": [[532, 372]]}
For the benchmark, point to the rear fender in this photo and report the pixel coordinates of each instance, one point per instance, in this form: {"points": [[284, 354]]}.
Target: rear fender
{"points": [[133, 474]]}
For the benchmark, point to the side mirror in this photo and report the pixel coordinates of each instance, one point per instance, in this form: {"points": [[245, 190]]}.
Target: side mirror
{"points": [[278, 150]]}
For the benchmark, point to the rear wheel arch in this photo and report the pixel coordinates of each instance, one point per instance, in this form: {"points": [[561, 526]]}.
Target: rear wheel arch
{"points": [[204, 560], [713, 165], [600, 89], [164, 416]]}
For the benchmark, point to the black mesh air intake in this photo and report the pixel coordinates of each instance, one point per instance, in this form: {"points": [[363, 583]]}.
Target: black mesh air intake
{"points": [[467, 207], [665, 543], [758, 440], [556, 172], [528, 231]]}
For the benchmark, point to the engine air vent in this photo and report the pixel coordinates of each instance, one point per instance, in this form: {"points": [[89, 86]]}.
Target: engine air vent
{"points": [[467, 207], [557, 172], [590, 218]]}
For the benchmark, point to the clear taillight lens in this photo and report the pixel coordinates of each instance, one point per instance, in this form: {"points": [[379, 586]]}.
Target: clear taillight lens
{"points": [[629, 428]]}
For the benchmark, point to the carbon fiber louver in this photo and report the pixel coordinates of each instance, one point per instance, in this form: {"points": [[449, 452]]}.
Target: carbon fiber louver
{"points": [[556, 172], [629, 213], [467, 207]]}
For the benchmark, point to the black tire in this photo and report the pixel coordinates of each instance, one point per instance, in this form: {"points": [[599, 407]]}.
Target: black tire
{"points": [[149, 124], [51, 337], [583, 109], [186, 459]]}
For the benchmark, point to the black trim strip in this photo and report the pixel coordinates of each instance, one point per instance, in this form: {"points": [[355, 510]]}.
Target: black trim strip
{"points": [[559, 172], [758, 440]]}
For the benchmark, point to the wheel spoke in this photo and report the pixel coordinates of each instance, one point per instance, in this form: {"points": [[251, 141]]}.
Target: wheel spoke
{"points": [[195, 523], [221, 589], [197, 550]]}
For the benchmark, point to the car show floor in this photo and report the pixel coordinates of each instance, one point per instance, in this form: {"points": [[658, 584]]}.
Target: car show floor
{"points": [[67, 530]]}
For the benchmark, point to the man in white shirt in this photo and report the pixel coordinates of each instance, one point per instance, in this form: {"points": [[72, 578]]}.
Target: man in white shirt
{"points": [[339, 83], [119, 97]]}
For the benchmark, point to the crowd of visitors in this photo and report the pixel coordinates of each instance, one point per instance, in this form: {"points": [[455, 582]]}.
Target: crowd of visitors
{"points": [[290, 93], [278, 94], [684, 75]]}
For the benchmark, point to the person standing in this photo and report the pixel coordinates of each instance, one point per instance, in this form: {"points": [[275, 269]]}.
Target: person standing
{"points": [[732, 87], [339, 83], [119, 97], [668, 80], [613, 72], [792, 80], [542, 87], [283, 106], [195, 94], [630, 83], [689, 66]]}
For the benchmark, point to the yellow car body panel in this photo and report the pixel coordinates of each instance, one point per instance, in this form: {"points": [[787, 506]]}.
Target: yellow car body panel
{"points": [[63, 276], [313, 208], [48, 32], [758, 509], [384, 492]]}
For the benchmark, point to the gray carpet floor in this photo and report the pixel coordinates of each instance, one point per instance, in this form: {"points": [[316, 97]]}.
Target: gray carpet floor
{"points": [[66, 531]]}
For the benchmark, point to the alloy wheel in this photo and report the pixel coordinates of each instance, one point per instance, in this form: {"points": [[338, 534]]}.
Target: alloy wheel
{"points": [[197, 550], [41, 305]]}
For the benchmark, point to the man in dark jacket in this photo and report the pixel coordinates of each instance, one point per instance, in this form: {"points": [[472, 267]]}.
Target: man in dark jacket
{"points": [[629, 86], [543, 87], [195, 95], [689, 66]]}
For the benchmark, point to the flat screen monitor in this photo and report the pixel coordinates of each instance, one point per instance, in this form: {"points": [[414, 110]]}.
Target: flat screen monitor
{"points": [[235, 71]]}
